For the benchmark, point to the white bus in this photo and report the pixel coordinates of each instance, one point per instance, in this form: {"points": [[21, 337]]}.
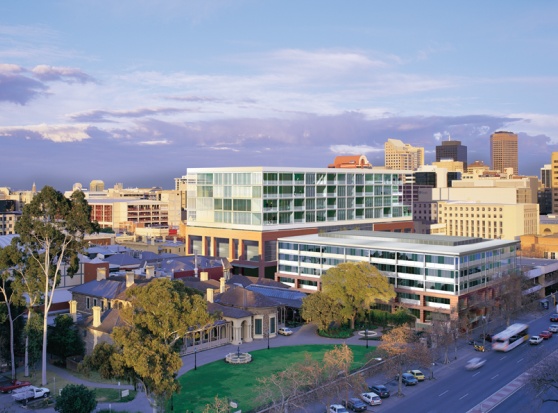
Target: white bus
{"points": [[511, 337]]}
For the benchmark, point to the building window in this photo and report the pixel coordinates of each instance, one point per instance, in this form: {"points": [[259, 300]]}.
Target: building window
{"points": [[94, 302], [272, 325], [258, 324], [87, 303]]}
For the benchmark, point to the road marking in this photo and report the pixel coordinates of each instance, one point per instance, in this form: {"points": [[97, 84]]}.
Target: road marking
{"points": [[462, 397], [519, 361], [493, 377], [478, 372], [440, 395]]}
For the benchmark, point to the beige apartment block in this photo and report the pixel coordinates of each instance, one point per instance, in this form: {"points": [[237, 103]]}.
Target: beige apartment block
{"points": [[402, 156], [503, 151], [488, 220], [451, 166], [125, 215]]}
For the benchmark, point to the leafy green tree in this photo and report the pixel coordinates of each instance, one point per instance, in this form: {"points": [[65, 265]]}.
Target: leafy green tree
{"points": [[321, 309], [356, 286], [76, 398], [64, 339], [159, 315], [51, 235]]}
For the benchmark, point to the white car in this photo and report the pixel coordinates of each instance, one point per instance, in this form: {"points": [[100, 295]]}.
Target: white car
{"points": [[371, 398], [337, 408], [285, 331], [475, 363], [553, 328], [534, 340]]}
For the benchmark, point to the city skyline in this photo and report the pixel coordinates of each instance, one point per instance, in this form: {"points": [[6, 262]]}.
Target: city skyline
{"points": [[138, 91]]}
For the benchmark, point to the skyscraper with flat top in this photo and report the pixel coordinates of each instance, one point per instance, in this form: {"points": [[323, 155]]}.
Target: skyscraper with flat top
{"points": [[452, 150], [402, 156], [503, 151]]}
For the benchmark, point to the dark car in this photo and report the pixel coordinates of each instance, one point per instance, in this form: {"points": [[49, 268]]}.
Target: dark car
{"points": [[554, 317], [408, 379], [380, 390], [354, 404], [13, 385], [486, 337]]}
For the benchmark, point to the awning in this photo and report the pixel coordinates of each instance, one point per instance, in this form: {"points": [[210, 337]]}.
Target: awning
{"points": [[251, 266]]}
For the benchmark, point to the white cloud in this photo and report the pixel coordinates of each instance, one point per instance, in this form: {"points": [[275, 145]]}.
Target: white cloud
{"points": [[54, 133], [153, 143], [355, 149]]}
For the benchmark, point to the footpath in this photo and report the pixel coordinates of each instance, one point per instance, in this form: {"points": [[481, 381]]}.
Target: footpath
{"points": [[302, 336]]}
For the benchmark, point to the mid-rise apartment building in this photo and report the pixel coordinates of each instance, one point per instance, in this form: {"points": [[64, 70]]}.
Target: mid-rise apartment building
{"points": [[125, 215], [430, 273], [402, 156], [504, 151], [239, 213]]}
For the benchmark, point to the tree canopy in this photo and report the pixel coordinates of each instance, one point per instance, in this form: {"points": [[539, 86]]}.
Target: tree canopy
{"points": [[64, 339], [356, 286], [159, 315], [51, 233], [321, 309], [76, 398]]}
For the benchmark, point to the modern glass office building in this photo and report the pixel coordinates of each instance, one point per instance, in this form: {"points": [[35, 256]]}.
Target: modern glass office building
{"points": [[429, 272], [239, 212], [271, 198]]}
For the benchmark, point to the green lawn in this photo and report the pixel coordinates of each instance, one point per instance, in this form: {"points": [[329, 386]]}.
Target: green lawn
{"points": [[238, 382]]}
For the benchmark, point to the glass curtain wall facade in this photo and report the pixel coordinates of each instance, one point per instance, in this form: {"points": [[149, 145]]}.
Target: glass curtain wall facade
{"points": [[264, 197]]}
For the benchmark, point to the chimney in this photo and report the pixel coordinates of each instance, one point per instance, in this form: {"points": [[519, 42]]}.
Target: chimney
{"points": [[204, 276], [96, 316], [149, 272], [210, 295], [222, 285], [175, 238], [73, 309], [129, 278], [101, 274]]}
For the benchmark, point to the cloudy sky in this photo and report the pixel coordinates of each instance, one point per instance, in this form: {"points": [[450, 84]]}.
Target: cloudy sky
{"points": [[137, 91]]}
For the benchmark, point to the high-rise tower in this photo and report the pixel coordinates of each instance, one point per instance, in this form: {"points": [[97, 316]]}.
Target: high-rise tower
{"points": [[452, 150], [503, 151], [402, 156]]}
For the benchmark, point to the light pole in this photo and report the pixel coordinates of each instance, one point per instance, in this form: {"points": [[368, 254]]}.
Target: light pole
{"points": [[366, 332], [268, 340], [195, 358]]}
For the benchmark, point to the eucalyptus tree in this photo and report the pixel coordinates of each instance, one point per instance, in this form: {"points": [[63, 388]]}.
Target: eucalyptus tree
{"points": [[51, 233]]}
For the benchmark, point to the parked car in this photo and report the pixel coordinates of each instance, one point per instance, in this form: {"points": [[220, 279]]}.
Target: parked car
{"points": [[417, 374], [380, 390], [486, 337], [25, 394], [554, 317], [545, 334], [553, 328], [285, 331], [407, 379], [534, 340], [354, 404], [475, 363], [337, 408], [371, 398], [12, 385]]}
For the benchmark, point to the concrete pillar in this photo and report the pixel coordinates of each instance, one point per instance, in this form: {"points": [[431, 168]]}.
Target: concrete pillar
{"points": [[210, 295], [204, 276], [149, 271], [222, 285]]}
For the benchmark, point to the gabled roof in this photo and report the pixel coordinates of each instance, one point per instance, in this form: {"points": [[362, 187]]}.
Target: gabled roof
{"points": [[103, 289], [230, 312], [123, 260], [242, 298], [109, 319], [198, 285], [239, 279]]}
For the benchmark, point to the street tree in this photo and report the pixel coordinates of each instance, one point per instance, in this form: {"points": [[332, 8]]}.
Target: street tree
{"points": [[51, 233], [11, 298], [402, 350], [64, 339], [356, 286], [76, 398], [158, 315], [321, 309]]}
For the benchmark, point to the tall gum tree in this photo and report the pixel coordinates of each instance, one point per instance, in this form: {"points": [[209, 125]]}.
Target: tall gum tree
{"points": [[51, 235], [356, 286]]}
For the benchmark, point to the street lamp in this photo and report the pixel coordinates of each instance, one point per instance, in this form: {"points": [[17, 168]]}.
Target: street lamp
{"points": [[268, 340], [195, 358], [366, 332]]}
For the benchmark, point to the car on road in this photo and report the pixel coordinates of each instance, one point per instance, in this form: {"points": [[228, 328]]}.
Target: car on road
{"points": [[417, 374], [475, 363], [553, 328], [354, 404], [13, 385], [545, 334], [407, 379], [534, 340], [337, 408], [371, 398], [380, 390], [486, 337], [285, 331], [554, 317]]}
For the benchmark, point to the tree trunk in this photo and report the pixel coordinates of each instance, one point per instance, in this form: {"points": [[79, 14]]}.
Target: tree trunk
{"points": [[44, 357], [12, 353]]}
